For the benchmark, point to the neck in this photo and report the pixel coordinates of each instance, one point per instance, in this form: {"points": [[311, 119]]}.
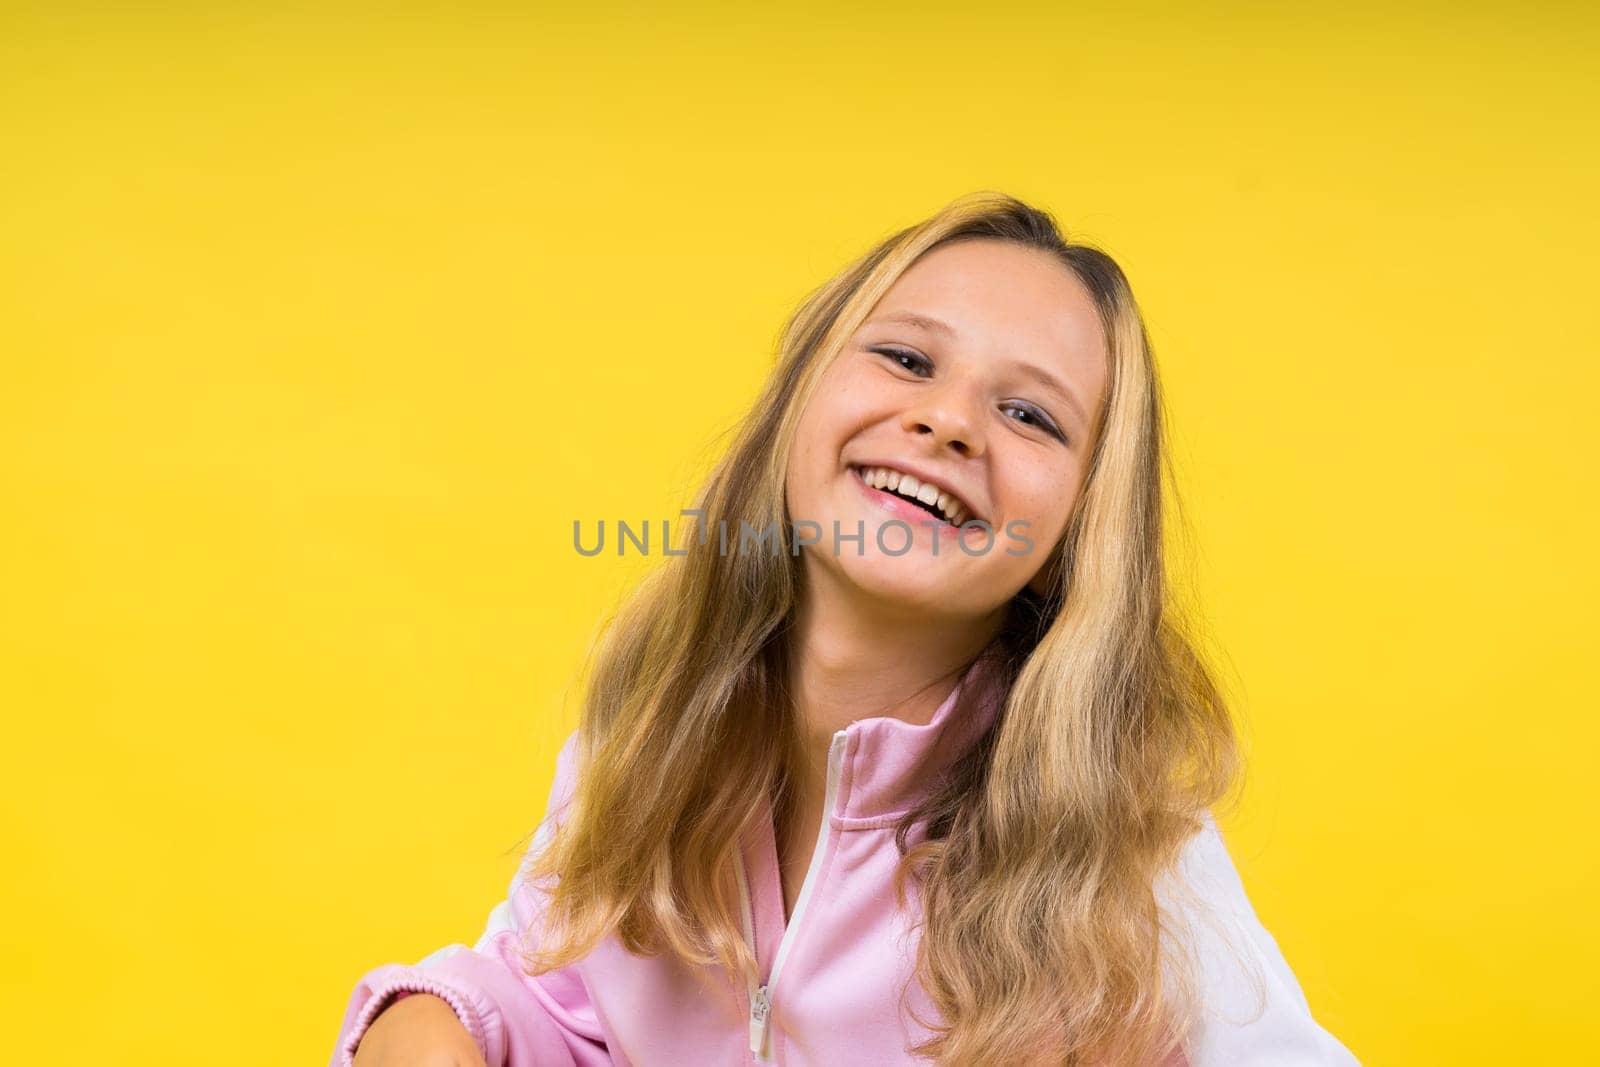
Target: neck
{"points": [[854, 656]]}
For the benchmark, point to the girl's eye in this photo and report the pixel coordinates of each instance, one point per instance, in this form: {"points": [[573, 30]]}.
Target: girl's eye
{"points": [[914, 362], [1032, 416]]}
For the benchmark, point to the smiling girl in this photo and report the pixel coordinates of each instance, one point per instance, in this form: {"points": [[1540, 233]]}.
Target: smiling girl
{"points": [[907, 789]]}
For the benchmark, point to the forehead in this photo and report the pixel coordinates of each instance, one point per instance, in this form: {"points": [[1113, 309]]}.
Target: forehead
{"points": [[1004, 300]]}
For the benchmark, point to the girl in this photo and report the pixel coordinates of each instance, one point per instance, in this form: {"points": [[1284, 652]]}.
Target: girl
{"points": [[905, 757]]}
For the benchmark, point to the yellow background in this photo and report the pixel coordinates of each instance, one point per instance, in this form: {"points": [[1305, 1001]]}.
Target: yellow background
{"points": [[319, 327]]}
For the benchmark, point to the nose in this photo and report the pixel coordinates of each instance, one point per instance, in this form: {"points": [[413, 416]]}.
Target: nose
{"points": [[947, 415]]}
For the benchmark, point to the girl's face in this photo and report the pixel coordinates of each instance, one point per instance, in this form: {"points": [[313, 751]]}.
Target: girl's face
{"points": [[974, 386]]}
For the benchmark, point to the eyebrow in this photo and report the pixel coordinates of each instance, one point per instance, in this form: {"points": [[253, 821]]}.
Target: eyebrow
{"points": [[921, 322], [1038, 373]]}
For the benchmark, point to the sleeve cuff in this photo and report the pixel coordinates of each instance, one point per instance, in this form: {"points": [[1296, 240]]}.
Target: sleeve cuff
{"points": [[402, 981]]}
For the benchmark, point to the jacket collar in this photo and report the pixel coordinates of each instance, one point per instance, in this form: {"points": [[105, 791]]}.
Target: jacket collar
{"points": [[889, 765], [885, 767]]}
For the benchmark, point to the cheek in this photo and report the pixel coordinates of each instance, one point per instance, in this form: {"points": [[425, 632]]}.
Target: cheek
{"points": [[843, 404], [1043, 495], [820, 434]]}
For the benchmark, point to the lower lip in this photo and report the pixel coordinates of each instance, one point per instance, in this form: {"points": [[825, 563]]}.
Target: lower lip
{"points": [[901, 508]]}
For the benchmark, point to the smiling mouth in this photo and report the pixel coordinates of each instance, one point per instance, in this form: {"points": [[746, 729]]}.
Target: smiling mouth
{"points": [[939, 503]]}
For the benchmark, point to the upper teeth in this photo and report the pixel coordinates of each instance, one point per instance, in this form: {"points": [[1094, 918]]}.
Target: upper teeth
{"points": [[907, 486]]}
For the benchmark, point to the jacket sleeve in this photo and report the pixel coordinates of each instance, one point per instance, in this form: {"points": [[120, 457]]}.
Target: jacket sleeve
{"points": [[1253, 1011], [518, 1020]]}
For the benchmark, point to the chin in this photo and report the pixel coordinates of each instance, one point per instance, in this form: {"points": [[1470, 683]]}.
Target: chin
{"points": [[907, 583]]}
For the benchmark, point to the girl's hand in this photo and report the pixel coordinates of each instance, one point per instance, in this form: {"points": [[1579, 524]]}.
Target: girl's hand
{"points": [[420, 1030]]}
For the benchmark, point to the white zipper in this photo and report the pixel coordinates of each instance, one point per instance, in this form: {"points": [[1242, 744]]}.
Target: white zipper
{"points": [[758, 1017], [761, 996]]}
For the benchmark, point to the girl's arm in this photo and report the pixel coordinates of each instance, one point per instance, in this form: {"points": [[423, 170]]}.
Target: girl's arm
{"points": [[518, 1020], [1253, 1010]]}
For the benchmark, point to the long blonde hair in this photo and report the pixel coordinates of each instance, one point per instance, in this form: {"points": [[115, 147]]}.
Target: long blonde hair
{"points": [[1043, 843]]}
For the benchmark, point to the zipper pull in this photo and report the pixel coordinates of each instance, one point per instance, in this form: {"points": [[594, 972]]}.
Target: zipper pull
{"points": [[760, 1005]]}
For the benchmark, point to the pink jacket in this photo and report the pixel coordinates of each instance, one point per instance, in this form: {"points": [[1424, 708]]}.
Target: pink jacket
{"points": [[834, 972]]}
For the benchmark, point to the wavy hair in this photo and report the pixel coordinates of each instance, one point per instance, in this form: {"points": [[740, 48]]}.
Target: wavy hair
{"points": [[1042, 938]]}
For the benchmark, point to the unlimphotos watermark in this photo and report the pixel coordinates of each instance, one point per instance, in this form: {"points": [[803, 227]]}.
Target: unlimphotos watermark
{"points": [[974, 537]]}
